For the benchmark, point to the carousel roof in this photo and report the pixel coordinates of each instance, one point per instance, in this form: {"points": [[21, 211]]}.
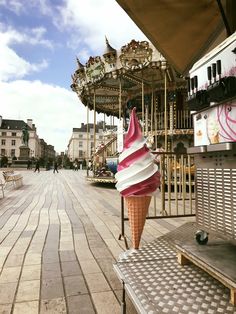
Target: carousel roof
{"points": [[119, 76]]}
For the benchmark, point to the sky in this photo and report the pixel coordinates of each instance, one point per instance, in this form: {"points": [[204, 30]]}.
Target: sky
{"points": [[39, 43]]}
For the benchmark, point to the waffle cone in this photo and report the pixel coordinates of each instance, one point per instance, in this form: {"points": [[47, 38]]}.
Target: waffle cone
{"points": [[137, 212]]}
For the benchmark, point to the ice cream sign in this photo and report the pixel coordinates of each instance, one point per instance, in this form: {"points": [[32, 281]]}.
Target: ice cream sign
{"points": [[137, 177], [215, 125]]}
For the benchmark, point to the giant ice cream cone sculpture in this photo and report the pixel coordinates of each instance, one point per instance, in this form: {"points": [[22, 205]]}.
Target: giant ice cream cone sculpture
{"points": [[137, 178]]}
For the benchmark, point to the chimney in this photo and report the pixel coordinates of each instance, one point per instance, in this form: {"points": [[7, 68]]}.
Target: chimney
{"points": [[33, 127], [0, 121], [30, 123]]}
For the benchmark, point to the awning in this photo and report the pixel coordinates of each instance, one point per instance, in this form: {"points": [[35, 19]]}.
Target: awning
{"points": [[182, 30]]}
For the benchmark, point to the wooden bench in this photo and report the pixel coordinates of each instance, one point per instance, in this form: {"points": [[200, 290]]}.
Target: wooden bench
{"points": [[12, 177]]}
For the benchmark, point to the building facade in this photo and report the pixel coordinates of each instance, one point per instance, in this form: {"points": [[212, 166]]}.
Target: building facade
{"points": [[11, 139], [81, 143]]}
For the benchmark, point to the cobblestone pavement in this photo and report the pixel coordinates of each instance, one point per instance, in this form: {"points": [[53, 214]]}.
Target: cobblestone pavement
{"points": [[59, 240]]}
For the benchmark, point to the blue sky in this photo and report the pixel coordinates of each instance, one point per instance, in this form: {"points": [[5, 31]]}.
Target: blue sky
{"points": [[39, 42]]}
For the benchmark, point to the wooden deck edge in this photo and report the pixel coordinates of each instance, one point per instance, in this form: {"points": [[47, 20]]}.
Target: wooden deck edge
{"points": [[184, 257]]}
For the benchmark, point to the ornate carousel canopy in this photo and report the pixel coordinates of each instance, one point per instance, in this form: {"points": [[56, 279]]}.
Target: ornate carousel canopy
{"points": [[130, 75]]}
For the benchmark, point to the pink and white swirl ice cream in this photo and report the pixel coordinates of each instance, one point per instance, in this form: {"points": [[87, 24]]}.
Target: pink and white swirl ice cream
{"points": [[137, 173], [137, 178]]}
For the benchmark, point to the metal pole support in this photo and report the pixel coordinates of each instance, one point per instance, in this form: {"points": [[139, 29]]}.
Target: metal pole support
{"points": [[123, 302], [122, 234]]}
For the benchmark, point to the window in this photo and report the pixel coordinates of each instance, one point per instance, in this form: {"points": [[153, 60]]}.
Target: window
{"points": [[4, 133], [100, 137], [91, 145], [80, 153], [3, 152], [3, 142], [13, 134], [13, 152], [91, 136], [13, 142], [80, 144], [80, 135]]}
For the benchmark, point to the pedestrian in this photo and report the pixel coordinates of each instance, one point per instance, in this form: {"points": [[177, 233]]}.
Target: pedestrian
{"points": [[55, 167], [37, 166], [75, 166], [29, 164]]}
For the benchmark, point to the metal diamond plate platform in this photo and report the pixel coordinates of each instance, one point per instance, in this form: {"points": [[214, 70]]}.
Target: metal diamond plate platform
{"points": [[157, 249], [156, 282]]}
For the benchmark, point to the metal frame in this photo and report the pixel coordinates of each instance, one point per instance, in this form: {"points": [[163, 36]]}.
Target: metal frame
{"points": [[166, 169]]}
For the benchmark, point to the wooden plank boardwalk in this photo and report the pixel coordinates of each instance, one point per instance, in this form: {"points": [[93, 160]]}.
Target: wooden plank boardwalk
{"points": [[58, 242]]}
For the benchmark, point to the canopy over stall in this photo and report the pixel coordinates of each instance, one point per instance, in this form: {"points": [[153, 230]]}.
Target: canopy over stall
{"points": [[198, 26]]}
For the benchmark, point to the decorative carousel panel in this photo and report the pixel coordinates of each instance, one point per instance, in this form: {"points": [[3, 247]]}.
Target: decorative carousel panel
{"points": [[95, 69], [136, 55]]}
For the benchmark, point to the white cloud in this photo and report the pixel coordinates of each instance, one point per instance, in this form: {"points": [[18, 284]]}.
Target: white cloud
{"points": [[13, 67], [15, 6], [91, 20], [24, 6], [54, 110], [34, 36]]}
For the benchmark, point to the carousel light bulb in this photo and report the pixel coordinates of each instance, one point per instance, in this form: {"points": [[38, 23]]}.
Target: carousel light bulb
{"points": [[114, 74], [163, 65]]}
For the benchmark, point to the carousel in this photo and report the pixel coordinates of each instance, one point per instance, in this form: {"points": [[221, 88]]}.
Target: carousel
{"points": [[136, 75]]}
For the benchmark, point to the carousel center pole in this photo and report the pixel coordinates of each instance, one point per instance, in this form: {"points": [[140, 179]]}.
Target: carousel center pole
{"points": [[122, 216], [88, 153], [94, 131], [146, 120], [142, 107], [152, 107], [165, 103], [155, 119], [120, 99], [112, 148], [113, 144]]}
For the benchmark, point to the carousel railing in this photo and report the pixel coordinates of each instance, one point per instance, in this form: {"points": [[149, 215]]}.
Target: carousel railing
{"points": [[177, 189], [176, 195], [104, 161], [181, 120], [107, 145]]}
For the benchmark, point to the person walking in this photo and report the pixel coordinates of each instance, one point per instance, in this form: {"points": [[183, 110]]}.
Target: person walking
{"points": [[55, 167], [29, 164], [37, 166]]}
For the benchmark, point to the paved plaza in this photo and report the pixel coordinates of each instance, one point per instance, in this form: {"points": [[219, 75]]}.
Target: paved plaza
{"points": [[59, 240]]}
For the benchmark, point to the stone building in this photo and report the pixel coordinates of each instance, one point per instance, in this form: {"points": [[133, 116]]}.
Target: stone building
{"points": [[46, 151], [11, 139], [81, 143]]}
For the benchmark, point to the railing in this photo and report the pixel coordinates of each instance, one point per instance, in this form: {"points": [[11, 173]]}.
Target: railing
{"points": [[177, 190], [107, 145], [176, 195], [181, 120]]}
